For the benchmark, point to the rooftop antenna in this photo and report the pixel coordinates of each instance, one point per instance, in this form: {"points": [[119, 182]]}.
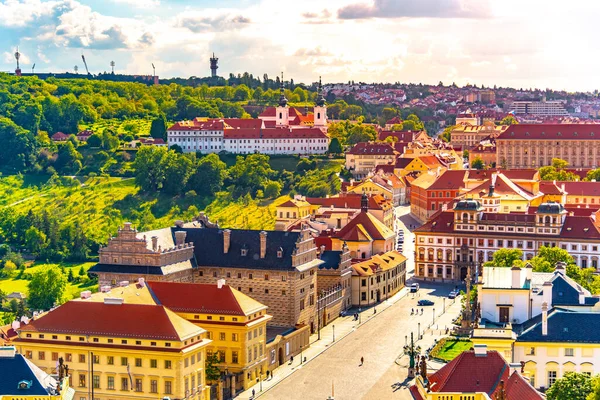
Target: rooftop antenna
{"points": [[84, 63], [18, 56], [112, 65]]}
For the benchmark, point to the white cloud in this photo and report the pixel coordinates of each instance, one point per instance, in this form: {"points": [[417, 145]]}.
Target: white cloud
{"points": [[139, 3]]}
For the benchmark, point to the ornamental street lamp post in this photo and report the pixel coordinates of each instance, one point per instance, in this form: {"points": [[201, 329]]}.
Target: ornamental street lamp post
{"points": [[413, 353]]}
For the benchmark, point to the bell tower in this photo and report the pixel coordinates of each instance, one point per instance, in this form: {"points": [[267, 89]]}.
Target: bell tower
{"points": [[214, 65], [320, 112], [282, 111]]}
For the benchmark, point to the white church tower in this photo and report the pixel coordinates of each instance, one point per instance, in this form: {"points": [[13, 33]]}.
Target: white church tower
{"points": [[320, 112], [282, 110]]}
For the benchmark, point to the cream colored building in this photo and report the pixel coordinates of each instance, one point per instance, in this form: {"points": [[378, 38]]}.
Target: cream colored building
{"points": [[465, 136], [378, 278], [535, 145]]}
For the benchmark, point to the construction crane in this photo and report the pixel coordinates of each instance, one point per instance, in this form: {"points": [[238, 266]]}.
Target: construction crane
{"points": [[84, 63], [112, 65]]}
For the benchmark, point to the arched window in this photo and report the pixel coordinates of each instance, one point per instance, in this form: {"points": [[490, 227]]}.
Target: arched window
{"points": [[280, 115], [319, 115], [465, 217]]}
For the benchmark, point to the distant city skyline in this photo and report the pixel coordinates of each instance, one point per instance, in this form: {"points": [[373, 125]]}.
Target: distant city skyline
{"points": [[529, 44]]}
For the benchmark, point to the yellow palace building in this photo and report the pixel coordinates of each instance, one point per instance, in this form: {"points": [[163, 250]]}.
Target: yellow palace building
{"points": [[235, 324], [119, 350]]}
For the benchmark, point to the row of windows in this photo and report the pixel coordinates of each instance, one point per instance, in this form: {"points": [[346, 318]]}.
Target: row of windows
{"points": [[110, 360], [97, 340], [127, 383]]}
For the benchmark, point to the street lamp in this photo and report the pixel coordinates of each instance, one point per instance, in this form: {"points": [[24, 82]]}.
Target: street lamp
{"points": [[301, 358], [333, 332], [444, 300], [433, 316], [419, 331], [405, 340], [413, 352]]}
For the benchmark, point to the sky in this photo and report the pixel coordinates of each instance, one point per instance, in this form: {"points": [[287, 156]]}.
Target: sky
{"points": [[518, 43]]}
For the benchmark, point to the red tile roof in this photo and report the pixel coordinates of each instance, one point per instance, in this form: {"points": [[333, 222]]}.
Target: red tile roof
{"points": [[430, 161], [402, 136], [372, 148], [581, 188], [196, 298], [351, 231], [272, 112], [469, 373], [450, 179], [549, 187], [120, 320], [551, 132], [59, 136]]}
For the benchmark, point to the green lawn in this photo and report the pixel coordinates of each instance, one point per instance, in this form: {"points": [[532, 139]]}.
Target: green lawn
{"points": [[20, 285], [447, 348]]}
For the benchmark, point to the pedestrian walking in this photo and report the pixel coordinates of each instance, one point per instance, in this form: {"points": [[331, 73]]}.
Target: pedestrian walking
{"points": [[362, 361], [253, 393]]}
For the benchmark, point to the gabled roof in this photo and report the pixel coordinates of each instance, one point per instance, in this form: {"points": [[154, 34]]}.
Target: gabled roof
{"points": [[203, 298], [470, 373], [581, 188], [378, 263], [350, 201], [116, 320], [504, 187], [364, 227]]}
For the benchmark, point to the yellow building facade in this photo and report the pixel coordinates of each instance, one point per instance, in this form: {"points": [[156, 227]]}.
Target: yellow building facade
{"points": [[116, 350]]}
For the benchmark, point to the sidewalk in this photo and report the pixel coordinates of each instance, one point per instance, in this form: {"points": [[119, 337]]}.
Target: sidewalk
{"points": [[432, 333], [341, 327]]}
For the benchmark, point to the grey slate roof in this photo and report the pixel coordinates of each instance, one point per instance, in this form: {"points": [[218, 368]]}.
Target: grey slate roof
{"points": [[331, 259], [564, 326], [16, 369], [208, 248]]}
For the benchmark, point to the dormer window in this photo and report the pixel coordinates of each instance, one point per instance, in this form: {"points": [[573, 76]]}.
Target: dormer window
{"points": [[280, 253], [24, 385], [244, 252]]}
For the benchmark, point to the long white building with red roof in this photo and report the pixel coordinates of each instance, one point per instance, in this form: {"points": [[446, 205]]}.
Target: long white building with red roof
{"points": [[278, 130]]}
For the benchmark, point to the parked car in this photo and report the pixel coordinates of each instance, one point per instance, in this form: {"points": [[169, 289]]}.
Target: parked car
{"points": [[425, 302], [453, 294], [414, 287]]}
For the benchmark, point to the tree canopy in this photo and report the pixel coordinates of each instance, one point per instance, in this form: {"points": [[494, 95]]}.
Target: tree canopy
{"points": [[46, 288], [557, 171], [572, 386], [505, 258]]}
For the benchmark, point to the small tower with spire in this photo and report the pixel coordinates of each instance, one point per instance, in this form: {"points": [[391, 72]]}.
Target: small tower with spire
{"points": [[282, 110], [214, 61], [364, 203], [18, 57], [320, 114]]}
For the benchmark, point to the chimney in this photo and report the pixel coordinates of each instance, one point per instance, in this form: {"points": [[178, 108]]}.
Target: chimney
{"points": [[560, 268], [480, 350], [544, 319], [8, 352], [321, 250], [516, 277], [141, 282], [263, 244], [547, 293], [179, 223], [528, 272], [226, 240], [127, 226], [180, 237], [154, 243], [220, 283]]}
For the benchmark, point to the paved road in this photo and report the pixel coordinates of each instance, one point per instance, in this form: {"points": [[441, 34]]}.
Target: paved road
{"points": [[379, 341]]}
